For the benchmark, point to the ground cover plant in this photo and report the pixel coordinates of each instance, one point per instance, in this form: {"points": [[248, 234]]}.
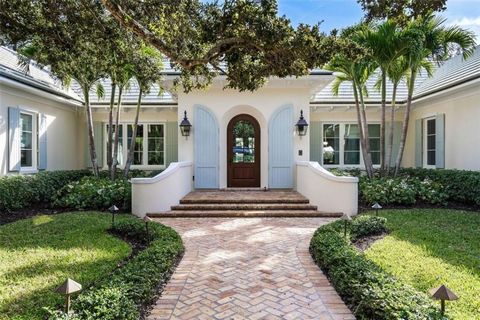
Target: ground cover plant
{"points": [[429, 247], [38, 254], [369, 291]]}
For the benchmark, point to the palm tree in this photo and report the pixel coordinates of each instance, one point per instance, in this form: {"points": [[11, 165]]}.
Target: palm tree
{"points": [[429, 39], [385, 42], [356, 71]]}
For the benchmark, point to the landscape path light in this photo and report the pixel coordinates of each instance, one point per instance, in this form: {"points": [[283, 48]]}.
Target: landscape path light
{"points": [[346, 218], [147, 219], [113, 209], [376, 206], [443, 294], [67, 288]]}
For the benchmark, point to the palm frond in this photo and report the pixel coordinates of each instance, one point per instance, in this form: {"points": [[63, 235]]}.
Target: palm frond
{"points": [[99, 90]]}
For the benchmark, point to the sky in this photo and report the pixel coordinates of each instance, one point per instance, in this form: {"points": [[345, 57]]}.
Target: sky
{"points": [[342, 13]]}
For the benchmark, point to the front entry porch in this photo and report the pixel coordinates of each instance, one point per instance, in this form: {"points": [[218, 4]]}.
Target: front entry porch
{"points": [[239, 203]]}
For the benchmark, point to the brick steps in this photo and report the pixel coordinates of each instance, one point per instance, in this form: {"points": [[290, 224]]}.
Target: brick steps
{"points": [[236, 204], [244, 214], [243, 206]]}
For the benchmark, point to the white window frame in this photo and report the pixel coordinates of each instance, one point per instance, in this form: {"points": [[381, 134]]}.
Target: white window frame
{"points": [[342, 146], [34, 167], [124, 125], [424, 142]]}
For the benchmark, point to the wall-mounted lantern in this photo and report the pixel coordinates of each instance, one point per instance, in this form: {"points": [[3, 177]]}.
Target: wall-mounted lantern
{"points": [[66, 289], [185, 126], [302, 125]]}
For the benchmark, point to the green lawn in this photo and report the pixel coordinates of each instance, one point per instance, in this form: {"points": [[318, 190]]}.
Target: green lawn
{"points": [[38, 254], [428, 247]]}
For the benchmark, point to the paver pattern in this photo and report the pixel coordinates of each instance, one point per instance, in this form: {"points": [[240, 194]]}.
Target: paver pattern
{"points": [[248, 268]]}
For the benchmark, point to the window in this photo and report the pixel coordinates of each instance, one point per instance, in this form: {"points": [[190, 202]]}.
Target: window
{"points": [[341, 144], [149, 144], [27, 141], [429, 142], [120, 142]]}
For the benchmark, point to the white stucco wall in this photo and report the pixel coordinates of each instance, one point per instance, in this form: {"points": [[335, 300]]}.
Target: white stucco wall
{"points": [[225, 104], [63, 151], [462, 126]]}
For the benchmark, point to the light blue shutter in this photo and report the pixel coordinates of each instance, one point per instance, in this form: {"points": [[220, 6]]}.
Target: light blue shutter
{"points": [[419, 143], [98, 139], [42, 142], [206, 141], [280, 145], [14, 139], [440, 141], [171, 149], [397, 132], [316, 143]]}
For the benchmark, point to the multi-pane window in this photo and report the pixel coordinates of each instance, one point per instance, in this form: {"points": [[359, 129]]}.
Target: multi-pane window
{"points": [[155, 144], [331, 144], [430, 142], [149, 144], [341, 144], [26, 140], [138, 150]]}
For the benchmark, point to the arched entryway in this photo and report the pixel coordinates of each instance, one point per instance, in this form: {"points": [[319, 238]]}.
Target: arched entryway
{"points": [[243, 152]]}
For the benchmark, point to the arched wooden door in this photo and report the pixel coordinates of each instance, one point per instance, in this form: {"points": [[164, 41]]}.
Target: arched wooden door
{"points": [[243, 152]]}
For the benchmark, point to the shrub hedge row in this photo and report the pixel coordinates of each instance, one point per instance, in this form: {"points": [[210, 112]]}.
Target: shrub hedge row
{"points": [[135, 284], [23, 191], [369, 291]]}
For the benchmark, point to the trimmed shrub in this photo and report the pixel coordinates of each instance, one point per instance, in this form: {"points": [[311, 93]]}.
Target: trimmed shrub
{"points": [[120, 296], [402, 191], [364, 226], [365, 287], [95, 193], [22, 191]]}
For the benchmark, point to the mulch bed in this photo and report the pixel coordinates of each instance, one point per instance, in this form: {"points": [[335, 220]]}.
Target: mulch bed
{"points": [[363, 244], [362, 207]]}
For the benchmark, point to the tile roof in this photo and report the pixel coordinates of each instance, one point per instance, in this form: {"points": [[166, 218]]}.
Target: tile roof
{"points": [[36, 76], [451, 73]]}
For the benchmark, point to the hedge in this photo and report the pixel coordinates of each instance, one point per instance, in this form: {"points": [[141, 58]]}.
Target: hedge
{"points": [[122, 295], [370, 292], [22, 191]]}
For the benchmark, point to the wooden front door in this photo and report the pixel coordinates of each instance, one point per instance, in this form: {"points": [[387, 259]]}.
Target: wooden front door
{"points": [[243, 152]]}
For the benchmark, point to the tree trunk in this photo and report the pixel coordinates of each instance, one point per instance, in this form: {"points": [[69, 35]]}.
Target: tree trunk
{"points": [[406, 120], [389, 151], [363, 143], [117, 132], [91, 135], [366, 142], [131, 150], [110, 129], [382, 121]]}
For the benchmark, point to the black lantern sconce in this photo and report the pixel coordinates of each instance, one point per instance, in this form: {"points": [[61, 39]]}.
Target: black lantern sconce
{"points": [[185, 126], [302, 125]]}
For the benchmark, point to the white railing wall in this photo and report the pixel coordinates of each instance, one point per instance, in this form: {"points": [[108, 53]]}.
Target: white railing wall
{"points": [[159, 193], [328, 192]]}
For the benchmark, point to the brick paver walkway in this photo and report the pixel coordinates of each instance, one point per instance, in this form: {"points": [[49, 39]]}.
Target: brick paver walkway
{"points": [[250, 268]]}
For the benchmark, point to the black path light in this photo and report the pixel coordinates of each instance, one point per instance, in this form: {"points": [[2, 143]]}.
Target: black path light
{"points": [[442, 293], [185, 125], [67, 288], [113, 209], [302, 125], [376, 206], [346, 218], [147, 219]]}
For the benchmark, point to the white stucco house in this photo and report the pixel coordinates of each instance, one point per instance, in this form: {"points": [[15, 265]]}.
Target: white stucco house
{"points": [[238, 139]]}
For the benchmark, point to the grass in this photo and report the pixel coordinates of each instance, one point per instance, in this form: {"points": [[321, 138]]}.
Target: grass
{"points": [[38, 254], [429, 247]]}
